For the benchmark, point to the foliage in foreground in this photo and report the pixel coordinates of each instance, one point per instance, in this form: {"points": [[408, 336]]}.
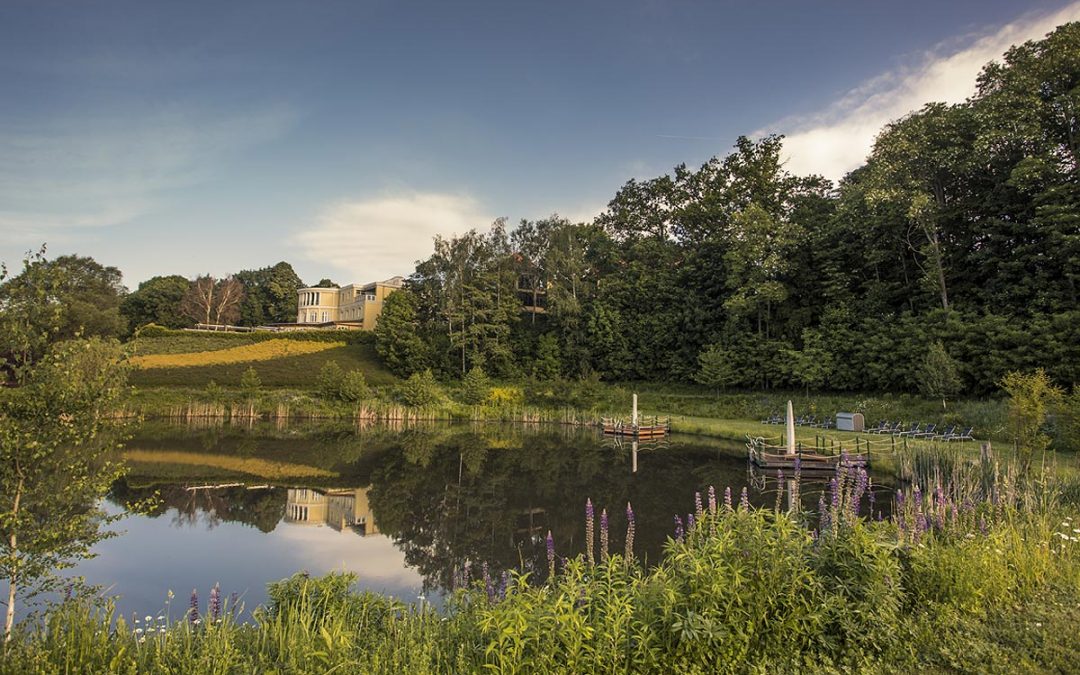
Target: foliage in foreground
{"points": [[981, 577]]}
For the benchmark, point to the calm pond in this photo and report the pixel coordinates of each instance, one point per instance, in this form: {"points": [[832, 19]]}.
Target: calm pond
{"points": [[402, 508]]}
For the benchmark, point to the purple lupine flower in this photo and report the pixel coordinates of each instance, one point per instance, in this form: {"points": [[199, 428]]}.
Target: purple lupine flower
{"points": [[823, 514], [727, 498], [215, 603], [488, 586], [67, 591], [982, 526], [744, 501], [629, 533], [504, 583], [861, 481], [699, 510], [465, 569], [551, 555], [590, 545], [690, 523], [712, 501], [779, 490], [834, 497], [603, 535], [678, 528], [193, 608]]}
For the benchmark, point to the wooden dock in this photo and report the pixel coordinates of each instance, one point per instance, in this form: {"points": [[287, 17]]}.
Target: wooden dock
{"points": [[643, 432], [765, 456]]}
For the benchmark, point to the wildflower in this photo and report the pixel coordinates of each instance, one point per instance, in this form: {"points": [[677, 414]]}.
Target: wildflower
{"points": [[629, 533], [690, 522], [488, 586], [727, 498], [712, 501], [589, 534], [678, 528], [193, 611], [603, 535], [215, 603], [551, 554], [744, 501], [699, 510]]}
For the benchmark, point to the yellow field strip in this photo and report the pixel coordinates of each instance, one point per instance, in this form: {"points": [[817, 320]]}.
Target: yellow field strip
{"points": [[260, 351], [253, 466]]}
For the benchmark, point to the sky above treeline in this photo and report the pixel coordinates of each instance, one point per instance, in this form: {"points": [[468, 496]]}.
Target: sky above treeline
{"points": [[209, 137]]}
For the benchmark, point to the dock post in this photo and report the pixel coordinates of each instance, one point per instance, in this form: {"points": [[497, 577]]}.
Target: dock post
{"points": [[633, 417]]}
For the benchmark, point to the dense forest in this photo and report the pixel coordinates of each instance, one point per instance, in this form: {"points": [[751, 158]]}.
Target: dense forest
{"points": [[959, 239], [951, 257]]}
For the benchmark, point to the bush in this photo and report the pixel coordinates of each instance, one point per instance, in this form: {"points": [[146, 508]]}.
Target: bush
{"points": [[475, 387], [250, 381], [506, 396], [420, 389], [353, 387], [331, 377]]}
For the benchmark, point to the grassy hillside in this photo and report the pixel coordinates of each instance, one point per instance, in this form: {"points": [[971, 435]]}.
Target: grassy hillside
{"points": [[194, 359]]}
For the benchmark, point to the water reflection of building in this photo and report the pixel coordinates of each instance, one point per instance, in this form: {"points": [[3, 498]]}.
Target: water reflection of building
{"points": [[340, 509]]}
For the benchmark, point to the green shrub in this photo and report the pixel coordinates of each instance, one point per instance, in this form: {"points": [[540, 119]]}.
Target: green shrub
{"points": [[475, 387], [250, 381], [420, 389], [354, 387], [331, 377]]}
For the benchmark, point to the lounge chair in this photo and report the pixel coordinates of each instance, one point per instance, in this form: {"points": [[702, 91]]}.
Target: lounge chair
{"points": [[876, 429], [828, 423], [928, 432], [912, 430], [965, 435], [895, 429], [945, 435], [773, 419]]}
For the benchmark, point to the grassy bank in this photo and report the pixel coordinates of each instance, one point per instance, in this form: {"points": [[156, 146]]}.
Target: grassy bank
{"points": [[977, 579]]}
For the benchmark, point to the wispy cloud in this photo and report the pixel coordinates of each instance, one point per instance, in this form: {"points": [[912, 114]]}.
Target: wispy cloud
{"points": [[60, 176], [380, 237], [839, 139]]}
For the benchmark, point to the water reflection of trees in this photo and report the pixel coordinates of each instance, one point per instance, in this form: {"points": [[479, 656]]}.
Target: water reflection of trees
{"points": [[261, 508], [485, 493], [491, 494]]}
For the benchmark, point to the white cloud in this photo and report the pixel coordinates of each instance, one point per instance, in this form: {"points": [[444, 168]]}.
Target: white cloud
{"points": [[58, 176], [380, 237], [839, 139]]}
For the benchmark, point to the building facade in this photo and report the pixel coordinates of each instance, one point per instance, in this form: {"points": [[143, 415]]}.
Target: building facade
{"points": [[353, 306]]}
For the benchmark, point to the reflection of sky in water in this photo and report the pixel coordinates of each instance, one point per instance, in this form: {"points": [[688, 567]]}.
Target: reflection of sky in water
{"points": [[154, 555]]}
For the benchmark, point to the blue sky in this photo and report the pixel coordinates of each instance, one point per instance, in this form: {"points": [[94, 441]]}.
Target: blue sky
{"points": [[209, 137]]}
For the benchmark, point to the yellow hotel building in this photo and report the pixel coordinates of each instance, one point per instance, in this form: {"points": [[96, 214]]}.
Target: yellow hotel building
{"points": [[353, 306]]}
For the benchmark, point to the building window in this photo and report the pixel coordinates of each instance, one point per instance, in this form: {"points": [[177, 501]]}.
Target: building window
{"points": [[325, 317]]}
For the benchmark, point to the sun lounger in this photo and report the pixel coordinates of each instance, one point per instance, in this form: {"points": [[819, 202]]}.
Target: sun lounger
{"points": [[912, 431], [944, 436], [928, 432], [965, 435]]}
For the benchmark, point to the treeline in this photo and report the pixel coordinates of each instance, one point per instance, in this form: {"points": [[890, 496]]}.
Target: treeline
{"points": [[72, 294], [956, 247]]}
